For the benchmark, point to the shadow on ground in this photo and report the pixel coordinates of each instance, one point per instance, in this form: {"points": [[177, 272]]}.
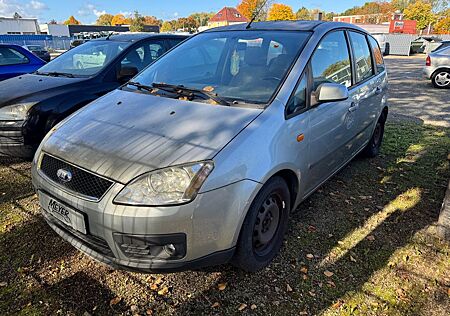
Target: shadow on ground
{"points": [[354, 227]]}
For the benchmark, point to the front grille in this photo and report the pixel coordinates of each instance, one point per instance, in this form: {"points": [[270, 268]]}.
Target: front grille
{"points": [[81, 182]]}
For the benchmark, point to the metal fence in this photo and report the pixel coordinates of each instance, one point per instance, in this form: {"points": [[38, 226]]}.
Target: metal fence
{"points": [[405, 44], [48, 41]]}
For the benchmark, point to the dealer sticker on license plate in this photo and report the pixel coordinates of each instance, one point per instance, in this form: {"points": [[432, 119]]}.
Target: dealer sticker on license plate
{"points": [[63, 213]]}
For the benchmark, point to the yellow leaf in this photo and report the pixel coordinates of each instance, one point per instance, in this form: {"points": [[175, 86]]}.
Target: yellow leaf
{"points": [[115, 301], [242, 307], [222, 286], [304, 270], [163, 291]]}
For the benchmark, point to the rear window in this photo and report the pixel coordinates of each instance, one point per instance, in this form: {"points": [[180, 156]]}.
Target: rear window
{"points": [[9, 56], [378, 56]]}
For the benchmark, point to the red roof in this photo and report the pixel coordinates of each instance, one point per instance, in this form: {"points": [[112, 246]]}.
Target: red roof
{"points": [[228, 14]]}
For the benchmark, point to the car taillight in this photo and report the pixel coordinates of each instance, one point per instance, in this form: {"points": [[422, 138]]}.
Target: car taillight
{"points": [[428, 61]]}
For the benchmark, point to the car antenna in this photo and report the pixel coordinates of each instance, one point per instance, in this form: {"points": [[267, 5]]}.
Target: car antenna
{"points": [[255, 15], [109, 35]]}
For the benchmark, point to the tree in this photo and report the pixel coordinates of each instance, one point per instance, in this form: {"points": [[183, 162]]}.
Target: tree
{"points": [[280, 12], [167, 26], [421, 12], [52, 21], [137, 23], [72, 21], [104, 19], [442, 25], [248, 9], [303, 14], [401, 4], [202, 18], [152, 20], [119, 19]]}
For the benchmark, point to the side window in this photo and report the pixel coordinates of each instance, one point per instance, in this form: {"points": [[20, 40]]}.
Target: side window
{"points": [[378, 56], [298, 100], [135, 58], [156, 50], [331, 61], [363, 59], [9, 56]]}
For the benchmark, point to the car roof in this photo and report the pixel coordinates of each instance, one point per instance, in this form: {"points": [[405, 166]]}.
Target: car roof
{"points": [[9, 45], [134, 37], [286, 26]]}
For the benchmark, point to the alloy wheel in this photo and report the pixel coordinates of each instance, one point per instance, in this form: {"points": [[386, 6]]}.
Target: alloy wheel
{"points": [[442, 79]]}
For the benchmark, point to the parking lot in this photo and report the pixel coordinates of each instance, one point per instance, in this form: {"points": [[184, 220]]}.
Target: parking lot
{"points": [[362, 244]]}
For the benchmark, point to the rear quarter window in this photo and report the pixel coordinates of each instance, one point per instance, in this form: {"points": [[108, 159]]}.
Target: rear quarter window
{"points": [[378, 56]]}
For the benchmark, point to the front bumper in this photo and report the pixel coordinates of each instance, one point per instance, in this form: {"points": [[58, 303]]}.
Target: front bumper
{"points": [[211, 224], [12, 141]]}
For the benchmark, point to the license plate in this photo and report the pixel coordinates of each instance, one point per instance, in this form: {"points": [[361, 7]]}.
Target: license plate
{"points": [[67, 215]]}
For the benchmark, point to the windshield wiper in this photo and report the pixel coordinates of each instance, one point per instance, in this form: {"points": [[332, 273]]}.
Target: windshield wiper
{"points": [[55, 74], [189, 92], [140, 86]]}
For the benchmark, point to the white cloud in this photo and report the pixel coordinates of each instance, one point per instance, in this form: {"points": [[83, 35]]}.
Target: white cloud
{"points": [[90, 9], [31, 8]]}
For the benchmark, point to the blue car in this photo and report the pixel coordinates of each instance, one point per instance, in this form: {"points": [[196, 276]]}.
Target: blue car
{"points": [[16, 60]]}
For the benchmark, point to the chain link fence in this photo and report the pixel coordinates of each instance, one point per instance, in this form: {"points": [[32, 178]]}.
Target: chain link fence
{"points": [[50, 42]]}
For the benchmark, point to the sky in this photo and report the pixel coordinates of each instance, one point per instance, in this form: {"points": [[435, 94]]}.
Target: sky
{"points": [[87, 10]]}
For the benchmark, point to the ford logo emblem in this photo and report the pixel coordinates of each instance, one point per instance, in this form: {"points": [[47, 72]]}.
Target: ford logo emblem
{"points": [[64, 175]]}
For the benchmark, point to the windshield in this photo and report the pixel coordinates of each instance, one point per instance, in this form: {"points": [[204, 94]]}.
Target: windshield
{"points": [[85, 60], [245, 66]]}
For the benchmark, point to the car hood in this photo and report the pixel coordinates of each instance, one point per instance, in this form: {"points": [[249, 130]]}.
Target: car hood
{"points": [[125, 134], [33, 88]]}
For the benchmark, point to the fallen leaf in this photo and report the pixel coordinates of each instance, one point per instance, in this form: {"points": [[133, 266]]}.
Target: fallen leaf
{"points": [[305, 277], [253, 306], [312, 293], [370, 237], [222, 286], [3, 284], [158, 280], [163, 291], [328, 273], [288, 288], [115, 301], [337, 304], [242, 307], [215, 305], [304, 270], [448, 291], [149, 312], [331, 283], [208, 89], [154, 286], [352, 259], [310, 256], [303, 313]]}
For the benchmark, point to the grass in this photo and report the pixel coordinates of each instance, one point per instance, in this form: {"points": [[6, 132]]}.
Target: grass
{"points": [[363, 244]]}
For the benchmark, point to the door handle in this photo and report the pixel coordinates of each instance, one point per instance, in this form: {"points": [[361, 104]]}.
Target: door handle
{"points": [[353, 107], [378, 90]]}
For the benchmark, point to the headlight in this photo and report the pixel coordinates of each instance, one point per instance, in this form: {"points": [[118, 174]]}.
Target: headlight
{"points": [[168, 186], [16, 112]]}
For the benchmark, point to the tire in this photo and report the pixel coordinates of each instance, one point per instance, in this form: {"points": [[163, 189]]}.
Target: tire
{"points": [[441, 79], [265, 224], [373, 147]]}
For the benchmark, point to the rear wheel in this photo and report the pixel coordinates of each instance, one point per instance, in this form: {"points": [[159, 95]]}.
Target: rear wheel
{"points": [[441, 79], [373, 147], [264, 227]]}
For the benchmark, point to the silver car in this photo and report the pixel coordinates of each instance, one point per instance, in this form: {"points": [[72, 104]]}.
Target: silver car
{"points": [[202, 156], [437, 68]]}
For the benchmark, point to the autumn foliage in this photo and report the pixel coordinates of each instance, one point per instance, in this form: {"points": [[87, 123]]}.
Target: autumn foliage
{"points": [[72, 21], [280, 12], [249, 7], [119, 19]]}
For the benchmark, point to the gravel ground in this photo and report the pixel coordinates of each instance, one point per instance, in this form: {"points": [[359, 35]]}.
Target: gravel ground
{"points": [[362, 244], [412, 97]]}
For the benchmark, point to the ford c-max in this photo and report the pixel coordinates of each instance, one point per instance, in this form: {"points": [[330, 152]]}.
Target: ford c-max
{"points": [[200, 158]]}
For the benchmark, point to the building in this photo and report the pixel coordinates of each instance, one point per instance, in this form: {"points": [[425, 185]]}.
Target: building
{"points": [[360, 19], [55, 29], [227, 16], [19, 26]]}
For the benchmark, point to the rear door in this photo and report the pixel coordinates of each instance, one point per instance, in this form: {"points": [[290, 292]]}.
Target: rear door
{"points": [[365, 92], [332, 130]]}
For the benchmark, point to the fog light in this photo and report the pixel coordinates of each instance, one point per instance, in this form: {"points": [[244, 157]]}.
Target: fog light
{"points": [[168, 247]]}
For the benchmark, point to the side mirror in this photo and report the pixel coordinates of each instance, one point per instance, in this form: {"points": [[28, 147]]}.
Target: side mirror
{"points": [[127, 72], [329, 92]]}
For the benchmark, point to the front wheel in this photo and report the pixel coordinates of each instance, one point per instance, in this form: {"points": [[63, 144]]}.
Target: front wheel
{"points": [[264, 227], [373, 147]]}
